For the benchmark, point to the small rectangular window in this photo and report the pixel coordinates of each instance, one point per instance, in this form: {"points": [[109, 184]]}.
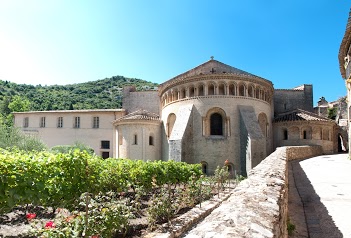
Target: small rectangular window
{"points": [[42, 122], [105, 144], [76, 122], [59, 122], [26, 122], [135, 142], [96, 121], [105, 154], [285, 136]]}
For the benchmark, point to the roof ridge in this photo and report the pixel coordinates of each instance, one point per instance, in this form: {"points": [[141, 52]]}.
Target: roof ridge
{"points": [[293, 116]]}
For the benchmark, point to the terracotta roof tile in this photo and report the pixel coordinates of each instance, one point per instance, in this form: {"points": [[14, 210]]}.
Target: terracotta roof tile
{"points": [[299, 115], [140, 115], [211, 67]]}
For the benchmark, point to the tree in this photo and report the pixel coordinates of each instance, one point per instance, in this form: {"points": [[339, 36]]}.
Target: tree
{"points": [[332, 113], [19, 104]]}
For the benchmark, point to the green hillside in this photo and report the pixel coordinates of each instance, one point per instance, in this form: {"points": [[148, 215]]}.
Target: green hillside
{"points": [[99, 94]]}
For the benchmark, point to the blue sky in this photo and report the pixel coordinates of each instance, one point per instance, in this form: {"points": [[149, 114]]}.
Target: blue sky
{"points": [[290, 42]]}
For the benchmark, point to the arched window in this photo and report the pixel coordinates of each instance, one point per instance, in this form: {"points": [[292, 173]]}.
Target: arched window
{"points": [[201, 91], [307, 133], [216, 124], [250, 91], [258, 93], [204, 167], [232, 89], [221, 89], [241, 90], [151, 140], [263, 122], [182, 93], [211, 89], [191, 91]]}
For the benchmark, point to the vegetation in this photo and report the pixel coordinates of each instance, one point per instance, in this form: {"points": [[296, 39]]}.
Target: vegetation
{"points": [[290, 227], [65, 149], [93, 197], [332, 112], [100, 94], [11, 137]]}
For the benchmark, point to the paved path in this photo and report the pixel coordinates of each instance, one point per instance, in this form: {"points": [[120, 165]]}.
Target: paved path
{"points": [[320, 196]]}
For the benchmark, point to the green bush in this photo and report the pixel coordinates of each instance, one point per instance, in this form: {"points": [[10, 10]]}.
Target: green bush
{"points": [[68, 148], [11, 137]]}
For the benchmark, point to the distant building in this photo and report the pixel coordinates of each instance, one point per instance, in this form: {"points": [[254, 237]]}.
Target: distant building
{"points": [[209, 114]]}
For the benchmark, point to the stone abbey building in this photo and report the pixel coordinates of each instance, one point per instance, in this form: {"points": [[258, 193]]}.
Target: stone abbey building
{"points": [[209, 114]]}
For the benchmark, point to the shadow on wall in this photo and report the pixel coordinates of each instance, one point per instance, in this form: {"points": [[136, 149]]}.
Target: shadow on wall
{"points": [[317, 219]]}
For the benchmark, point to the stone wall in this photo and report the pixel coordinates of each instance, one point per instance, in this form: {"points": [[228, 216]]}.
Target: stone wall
{"points": [[258, 206], [253, 143], [289, 99], [180, 146], [215, 150], [303, 152], [134, 100]]}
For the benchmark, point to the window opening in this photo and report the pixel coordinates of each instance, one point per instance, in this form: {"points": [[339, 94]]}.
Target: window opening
{"points": [[285, 134], [77, 122], [96, 122], [42, 122], [151, 140], [204, 168], [216, 124], [26, 122], [105, 144], [135, 140], [59, 122], [105, 154]]}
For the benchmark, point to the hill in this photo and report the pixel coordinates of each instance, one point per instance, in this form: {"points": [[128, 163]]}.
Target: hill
{"points": [[99, 94]]}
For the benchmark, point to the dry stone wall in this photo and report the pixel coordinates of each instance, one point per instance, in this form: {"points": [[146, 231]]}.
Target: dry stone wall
{"points": [[258, 206], [303, 152]]}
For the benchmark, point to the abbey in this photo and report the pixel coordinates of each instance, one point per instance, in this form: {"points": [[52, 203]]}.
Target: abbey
{"points": [[211, 114]]}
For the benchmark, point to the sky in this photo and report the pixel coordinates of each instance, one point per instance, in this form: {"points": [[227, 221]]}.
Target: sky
{"points": [[290, 43]]}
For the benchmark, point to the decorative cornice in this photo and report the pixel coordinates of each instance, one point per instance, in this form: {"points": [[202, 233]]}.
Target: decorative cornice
{"points": [[216, 96], [216, 78]]}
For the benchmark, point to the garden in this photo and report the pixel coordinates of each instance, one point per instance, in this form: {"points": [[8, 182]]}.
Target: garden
{"points": [[77, 194]]}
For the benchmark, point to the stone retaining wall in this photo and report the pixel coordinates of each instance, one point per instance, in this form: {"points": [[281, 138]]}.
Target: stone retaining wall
{"points": [[258, 206], [303, 152]]}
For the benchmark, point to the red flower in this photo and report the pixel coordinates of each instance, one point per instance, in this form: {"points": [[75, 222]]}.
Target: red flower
{"points": [[95, 236], [50, 224], [31, 216]]}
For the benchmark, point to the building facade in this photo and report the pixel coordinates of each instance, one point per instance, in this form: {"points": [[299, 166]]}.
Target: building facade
{"points": [[345, 67], [210, 114]]}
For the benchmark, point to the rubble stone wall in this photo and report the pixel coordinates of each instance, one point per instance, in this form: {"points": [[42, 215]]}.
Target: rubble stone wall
{"points": [[303, 152], [258, 206]]}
